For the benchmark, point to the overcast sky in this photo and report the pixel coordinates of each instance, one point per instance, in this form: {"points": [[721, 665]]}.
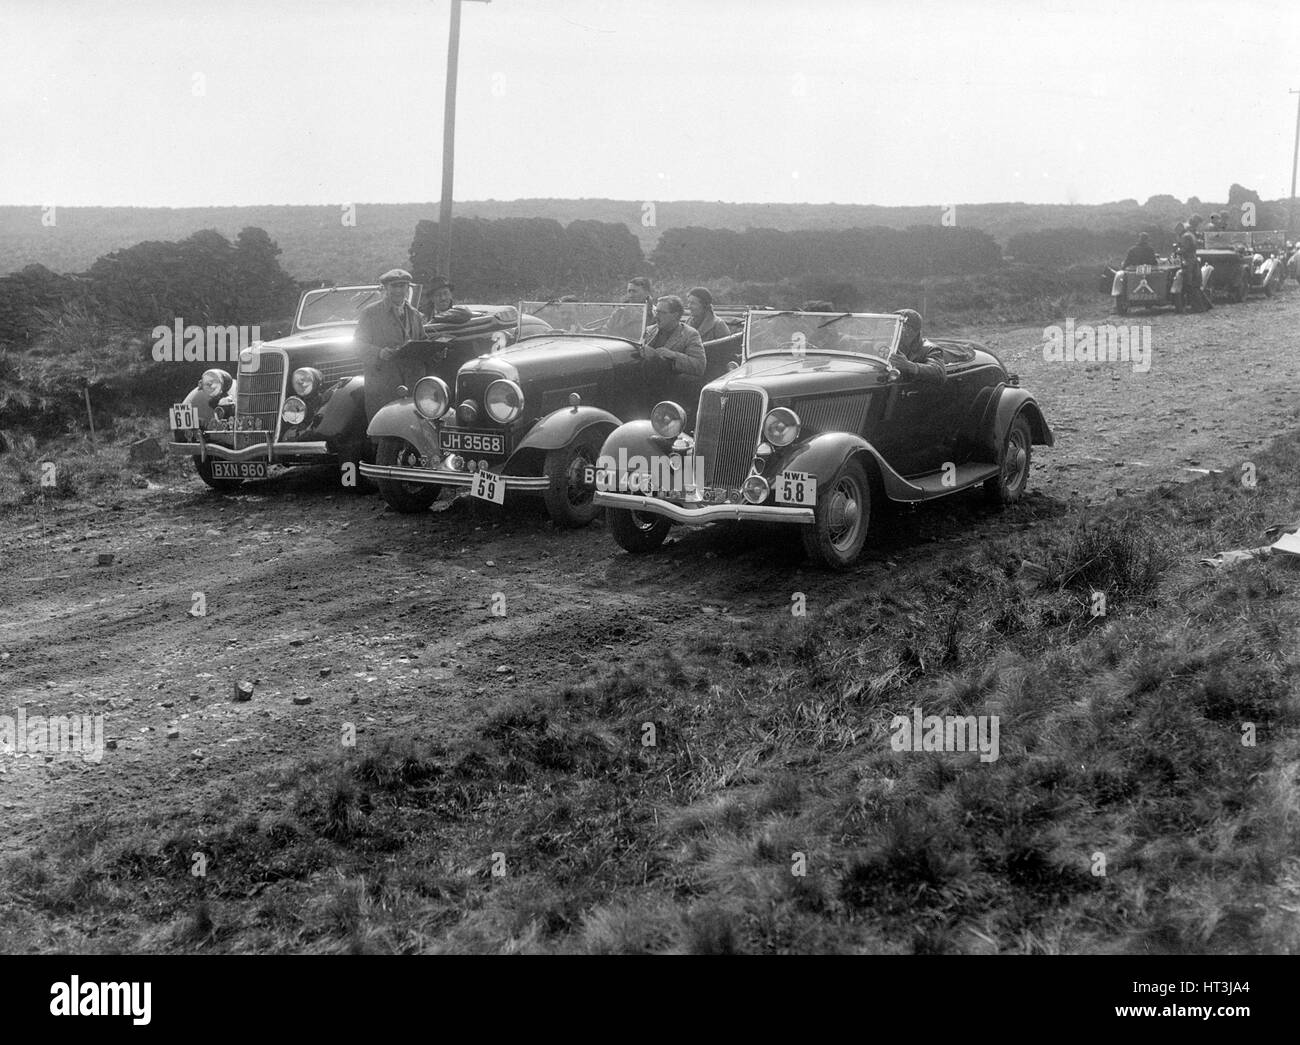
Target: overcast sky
{"points": [[180, 103]]}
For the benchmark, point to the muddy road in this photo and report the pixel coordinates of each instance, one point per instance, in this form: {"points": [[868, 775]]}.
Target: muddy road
{"points": [[342, 612]]}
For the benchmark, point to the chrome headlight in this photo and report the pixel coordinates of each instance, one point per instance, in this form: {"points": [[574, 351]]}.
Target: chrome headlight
{"points": [[215, 383], [668, 419], [294, 411], [755, 489], [504, 401], [307, 380], [431, 397], [781, 426]]}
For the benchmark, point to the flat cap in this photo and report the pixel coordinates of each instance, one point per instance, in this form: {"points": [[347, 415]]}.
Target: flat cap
{"points": [[911, 317], [396, 276]]}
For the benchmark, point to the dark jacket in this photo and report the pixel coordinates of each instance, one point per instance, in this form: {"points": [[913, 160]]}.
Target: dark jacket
{"points": [[927, 358], [711, 327], [1140, 254], [380, 327]]}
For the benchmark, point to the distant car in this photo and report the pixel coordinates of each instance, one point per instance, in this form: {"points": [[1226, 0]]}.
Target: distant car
{"points": [[529, 419], [1268, 262], [300, 399], [1147, 286], [813, 429], [1226, 253]]}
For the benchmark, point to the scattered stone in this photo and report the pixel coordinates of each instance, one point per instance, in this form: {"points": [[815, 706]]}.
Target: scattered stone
{"points": [[101, 701], [295, 642], [145, 450], [302, 700], [104, 559], [326, 672], [167, 704], [489, 563], [243, 691], [111, 745], [173, 732], [503, 669]]}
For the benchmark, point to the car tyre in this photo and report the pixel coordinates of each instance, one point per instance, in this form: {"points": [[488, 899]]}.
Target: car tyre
{"points": [[204, 468], [637, 532], [569, 503], [841, 518], [407, 498], [1008, 486]]}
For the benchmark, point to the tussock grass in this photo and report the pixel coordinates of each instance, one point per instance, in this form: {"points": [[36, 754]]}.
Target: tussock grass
{"points": [[771, 812]]}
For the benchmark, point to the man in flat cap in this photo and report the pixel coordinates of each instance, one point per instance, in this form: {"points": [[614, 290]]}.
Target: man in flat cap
{"points": [[917, 357], [383, 328]]}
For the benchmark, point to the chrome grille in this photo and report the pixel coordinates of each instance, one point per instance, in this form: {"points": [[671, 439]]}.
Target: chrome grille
{"points": [[842, 413], [261, 392], [726, 436], [339, 369]]}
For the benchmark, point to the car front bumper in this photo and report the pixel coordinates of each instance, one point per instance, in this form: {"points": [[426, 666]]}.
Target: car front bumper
{"points": [[439, 477], [705, 513], [263, 451]]}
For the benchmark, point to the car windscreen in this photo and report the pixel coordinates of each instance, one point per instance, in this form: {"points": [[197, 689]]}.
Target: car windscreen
{"points": [[798, 333], [625, 320], [331, 305]]}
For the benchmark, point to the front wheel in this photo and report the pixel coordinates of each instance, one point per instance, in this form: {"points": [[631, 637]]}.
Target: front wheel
{"points": [[840, 519], [637, 531], [204, 468], [1008, 486], [406, 498], [569, 501]]}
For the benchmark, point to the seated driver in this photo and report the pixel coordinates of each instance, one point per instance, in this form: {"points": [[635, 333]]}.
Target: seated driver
{"points": [[917, 357], [444, 308]]}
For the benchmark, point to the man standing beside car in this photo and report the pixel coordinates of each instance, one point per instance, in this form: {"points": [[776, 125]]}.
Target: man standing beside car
{"points": [[384, 327]]}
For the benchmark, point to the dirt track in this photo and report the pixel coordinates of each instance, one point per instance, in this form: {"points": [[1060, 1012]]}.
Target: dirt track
{"points": [[385, 621]]}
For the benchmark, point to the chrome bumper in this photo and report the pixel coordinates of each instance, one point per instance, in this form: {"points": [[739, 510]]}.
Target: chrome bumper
{"points": [[267, 451], [705, 513], [441, 478]]}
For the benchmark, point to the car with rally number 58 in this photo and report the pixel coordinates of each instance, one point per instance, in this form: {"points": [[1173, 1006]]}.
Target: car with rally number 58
{"points": [[817, 429]]}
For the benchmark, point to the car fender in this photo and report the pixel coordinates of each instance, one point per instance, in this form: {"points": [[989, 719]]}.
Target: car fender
{"points": [[559, 428], [1117, 285], [634, 439], [1007, 405], [824, 455], [398, 420], [341, 419]]}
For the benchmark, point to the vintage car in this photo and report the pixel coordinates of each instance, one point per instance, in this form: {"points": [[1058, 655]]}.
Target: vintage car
{"points": [[1225, 264], [529, 419], [300, 399], [812, 429], [1147, 286], [1268, 262]]}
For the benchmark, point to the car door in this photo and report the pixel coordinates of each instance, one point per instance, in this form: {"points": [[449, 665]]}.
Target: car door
{"points": [[917, 428]]}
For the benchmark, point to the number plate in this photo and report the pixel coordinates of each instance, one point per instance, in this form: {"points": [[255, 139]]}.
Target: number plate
{"points": [[183, 417], [796, 488], [488, 487], [463, 441], [239, 469]]}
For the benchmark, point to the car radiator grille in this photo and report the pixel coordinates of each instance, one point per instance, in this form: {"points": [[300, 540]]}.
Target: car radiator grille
{"points": [[727, 436], [339, 369], [260, 392]]}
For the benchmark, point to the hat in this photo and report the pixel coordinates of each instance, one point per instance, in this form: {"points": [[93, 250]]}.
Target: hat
{"points": [[706, 299], [911, 318], [396, 276], [438, 282]]}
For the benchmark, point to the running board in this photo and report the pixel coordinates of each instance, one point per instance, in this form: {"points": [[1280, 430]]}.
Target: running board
{"points": [[942, 482]]}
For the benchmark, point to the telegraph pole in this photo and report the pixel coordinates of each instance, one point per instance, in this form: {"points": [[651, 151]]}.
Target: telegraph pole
{"points": [[1295, 157], [449, 141]]}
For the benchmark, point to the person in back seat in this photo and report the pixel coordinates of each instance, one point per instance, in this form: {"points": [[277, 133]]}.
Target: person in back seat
{"points": [[699, 303]]}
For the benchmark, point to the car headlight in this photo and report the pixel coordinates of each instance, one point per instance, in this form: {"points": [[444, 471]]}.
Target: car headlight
{"points": [[307, 380], [431, 397], [667, 419], [294, 411], [755, 489], [504, 401], [215, 383], [781, 426]]}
